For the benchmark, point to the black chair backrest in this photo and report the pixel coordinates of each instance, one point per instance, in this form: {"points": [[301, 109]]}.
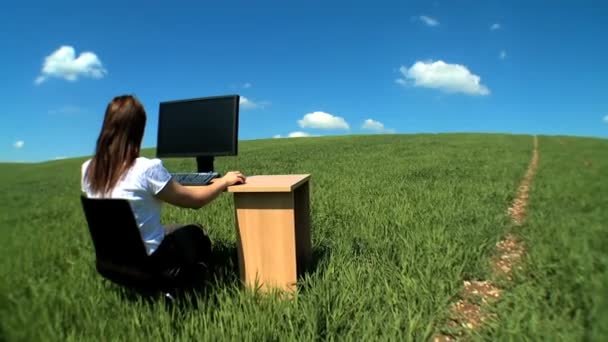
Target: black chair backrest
{"points": [[114, 232]]}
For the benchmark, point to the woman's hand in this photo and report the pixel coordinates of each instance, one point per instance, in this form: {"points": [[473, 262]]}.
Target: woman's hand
{"points": [[198, 196], [233, 177]]}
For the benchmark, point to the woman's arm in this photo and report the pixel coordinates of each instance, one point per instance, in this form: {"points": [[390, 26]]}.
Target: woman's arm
{"points": [[195, 197]]}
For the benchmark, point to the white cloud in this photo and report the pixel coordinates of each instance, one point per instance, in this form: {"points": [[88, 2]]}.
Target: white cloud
{"points": [[373, 125], [428, 20], [495, 26], [606, 119], [66, 110], [246, 103], [451, 78], [60, 158], [377, 126], [322, 120], [298, 134], [63, 64], [19, 144], [503, 54], [401, 81]]}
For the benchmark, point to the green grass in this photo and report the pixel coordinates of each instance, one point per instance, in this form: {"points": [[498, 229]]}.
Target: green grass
{"points": [[562, 292], [398, 221]]}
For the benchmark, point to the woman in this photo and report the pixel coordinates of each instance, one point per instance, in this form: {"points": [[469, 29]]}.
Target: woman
{"points": [[117, 171]]}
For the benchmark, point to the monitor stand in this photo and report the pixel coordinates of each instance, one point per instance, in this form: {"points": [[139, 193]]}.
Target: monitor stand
{"points": [[204, 163]]}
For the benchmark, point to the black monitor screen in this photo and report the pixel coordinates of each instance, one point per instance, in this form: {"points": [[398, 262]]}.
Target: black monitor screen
{"points": [[198, 127]]}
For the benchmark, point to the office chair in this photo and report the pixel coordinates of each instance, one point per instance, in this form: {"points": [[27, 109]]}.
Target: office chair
{"points": [[120, 253]]}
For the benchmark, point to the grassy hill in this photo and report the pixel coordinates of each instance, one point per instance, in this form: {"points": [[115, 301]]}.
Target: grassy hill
{"points": [[398, 222]]}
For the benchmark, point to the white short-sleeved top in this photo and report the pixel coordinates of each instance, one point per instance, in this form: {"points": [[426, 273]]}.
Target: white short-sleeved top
{"points": [[146, 178]]}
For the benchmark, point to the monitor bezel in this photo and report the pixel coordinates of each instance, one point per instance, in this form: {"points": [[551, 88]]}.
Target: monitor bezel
{"points": [[235, 131]]}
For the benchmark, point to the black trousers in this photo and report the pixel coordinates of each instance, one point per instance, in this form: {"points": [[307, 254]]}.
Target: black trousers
{"points": [[184, 255]]}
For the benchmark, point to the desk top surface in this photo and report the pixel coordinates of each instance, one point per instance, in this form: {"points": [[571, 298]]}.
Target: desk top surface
{"points": [[270, 183]]}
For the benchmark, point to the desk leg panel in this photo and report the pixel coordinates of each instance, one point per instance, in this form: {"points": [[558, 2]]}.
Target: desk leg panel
{"points": [[303, 238], [267, 239]]}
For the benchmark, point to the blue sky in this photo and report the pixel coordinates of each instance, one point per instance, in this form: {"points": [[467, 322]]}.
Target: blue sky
{"points": [[305, 67]]}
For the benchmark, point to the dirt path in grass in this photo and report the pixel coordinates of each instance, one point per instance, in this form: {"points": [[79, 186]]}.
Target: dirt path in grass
{"points": [[468, 314]]}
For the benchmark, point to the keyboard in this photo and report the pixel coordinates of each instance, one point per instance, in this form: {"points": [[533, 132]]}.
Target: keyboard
{"points": [[202, 178]]}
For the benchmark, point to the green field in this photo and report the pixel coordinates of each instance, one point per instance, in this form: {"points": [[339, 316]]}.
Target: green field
{"points": [[398, 222]]}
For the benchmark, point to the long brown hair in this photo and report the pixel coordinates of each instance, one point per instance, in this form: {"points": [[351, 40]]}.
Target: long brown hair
{"points": [[118, 143]]}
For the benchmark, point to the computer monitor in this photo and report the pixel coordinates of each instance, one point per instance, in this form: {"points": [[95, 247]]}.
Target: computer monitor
{"points": [[202, 128]]}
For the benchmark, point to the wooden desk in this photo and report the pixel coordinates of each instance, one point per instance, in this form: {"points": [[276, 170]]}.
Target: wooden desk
{"points": [[273, 230]]}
